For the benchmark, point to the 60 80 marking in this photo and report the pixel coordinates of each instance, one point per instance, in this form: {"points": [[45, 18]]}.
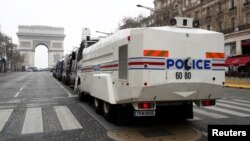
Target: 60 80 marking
{"points": [[179, 75]]}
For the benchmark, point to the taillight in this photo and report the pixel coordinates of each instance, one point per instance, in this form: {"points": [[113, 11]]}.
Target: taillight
{"points": [[128, 38], [207, 102], [145, 105]]}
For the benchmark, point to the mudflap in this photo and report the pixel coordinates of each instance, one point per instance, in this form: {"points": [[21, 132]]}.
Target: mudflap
{"points": [[124, 114]]}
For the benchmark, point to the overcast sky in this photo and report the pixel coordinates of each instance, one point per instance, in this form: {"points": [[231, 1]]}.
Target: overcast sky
{"points": [[73, 15]]}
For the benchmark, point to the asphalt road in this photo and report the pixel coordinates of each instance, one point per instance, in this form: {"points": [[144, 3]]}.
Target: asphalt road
{"points": [[35, 106]]}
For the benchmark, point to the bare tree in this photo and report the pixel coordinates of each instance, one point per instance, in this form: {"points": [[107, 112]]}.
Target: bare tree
{"points": [[160, 17], [4, 40], [129, 22]]}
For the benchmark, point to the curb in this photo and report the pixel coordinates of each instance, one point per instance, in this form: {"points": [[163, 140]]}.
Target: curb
{"points": [[237, 86], [5, 74], [237, 83], [160, 133]]}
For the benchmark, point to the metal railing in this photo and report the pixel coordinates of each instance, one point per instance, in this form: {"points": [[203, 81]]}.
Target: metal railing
{"points": [[228, 30], [246, 3], [244, 26]]}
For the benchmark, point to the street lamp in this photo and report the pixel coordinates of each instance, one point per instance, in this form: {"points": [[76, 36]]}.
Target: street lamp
{"points": [[149, 8], [104, 33], [153, 12]]}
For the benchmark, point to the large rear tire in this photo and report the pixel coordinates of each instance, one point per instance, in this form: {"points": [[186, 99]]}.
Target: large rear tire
{"points": [[110, 112], [98, 105]]}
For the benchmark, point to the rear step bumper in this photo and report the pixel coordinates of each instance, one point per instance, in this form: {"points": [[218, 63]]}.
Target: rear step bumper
{"points": [[180, 92]]}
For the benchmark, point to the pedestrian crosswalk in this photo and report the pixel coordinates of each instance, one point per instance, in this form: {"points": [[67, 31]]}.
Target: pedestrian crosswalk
{"points": [[244, 101], [4, 116], [224, 109], [33, 122], [209, 114], [234, 107], [33, 119], [236, 103], [66, 118]]}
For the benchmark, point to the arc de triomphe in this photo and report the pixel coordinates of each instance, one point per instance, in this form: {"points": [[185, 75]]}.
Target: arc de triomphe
{"points": [[32, 36]]}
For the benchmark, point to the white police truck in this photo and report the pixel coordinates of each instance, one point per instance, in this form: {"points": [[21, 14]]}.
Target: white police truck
{"points": [[153, 71]]}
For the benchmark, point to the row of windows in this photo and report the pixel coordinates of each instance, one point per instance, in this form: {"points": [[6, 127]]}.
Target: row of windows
{"points": [[233, 23], [219, 8], [187, 3]]}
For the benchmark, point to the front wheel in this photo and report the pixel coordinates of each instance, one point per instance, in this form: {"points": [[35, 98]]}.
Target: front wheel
{"points": [[80, 94]]}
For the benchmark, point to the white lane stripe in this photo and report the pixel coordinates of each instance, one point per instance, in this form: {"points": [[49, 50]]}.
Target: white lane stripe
{"points": [[66, 118], [239, 100], [68, 93], [7, 107], [196, 118], [233, 107], [16, 95], [209, 114], [236, 103], [21, 89], [204, 133], [231, 112], [33, 122], [4, 116]]}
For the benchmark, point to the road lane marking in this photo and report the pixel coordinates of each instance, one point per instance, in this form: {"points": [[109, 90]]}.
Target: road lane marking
{"points": [[6, 107], [204, 133], [236, 97], [231, 112], [16, 95], [40, 104], [4, 116], [239, 100], [66, 118], [33, 122], [233, 107], [21, 89], [13, 101], [196, 118], [236, 103], [68, 93], [209, 114]]}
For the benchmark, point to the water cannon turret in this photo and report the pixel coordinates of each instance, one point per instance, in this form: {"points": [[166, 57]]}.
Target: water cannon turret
{"points": [[184, 22], [85, 34]]}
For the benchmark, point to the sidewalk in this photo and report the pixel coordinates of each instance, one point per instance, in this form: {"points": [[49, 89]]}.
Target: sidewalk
{"points": [[234, 82], [5, 73]]}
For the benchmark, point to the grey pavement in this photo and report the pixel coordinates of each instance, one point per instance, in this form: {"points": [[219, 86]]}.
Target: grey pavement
{"points": [[35, 106], [29, 104]]}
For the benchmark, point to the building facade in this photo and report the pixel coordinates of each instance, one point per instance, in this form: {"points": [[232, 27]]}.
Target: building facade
{"points": [[231, 17]]}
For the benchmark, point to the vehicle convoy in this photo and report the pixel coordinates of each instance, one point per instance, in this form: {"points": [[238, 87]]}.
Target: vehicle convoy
{"points": [[58, 71], [69, 69], [153, 71]]}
